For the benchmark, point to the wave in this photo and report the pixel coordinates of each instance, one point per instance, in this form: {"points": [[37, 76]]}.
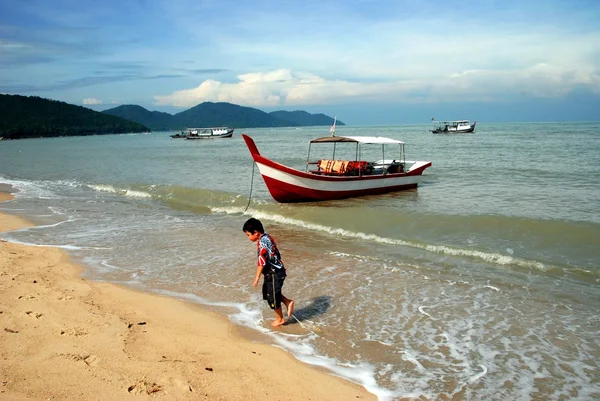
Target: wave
{"points": [[120, 191], [488, 257]]}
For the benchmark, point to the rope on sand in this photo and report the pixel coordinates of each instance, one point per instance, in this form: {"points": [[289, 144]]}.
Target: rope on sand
{"points": [[313, 329]]}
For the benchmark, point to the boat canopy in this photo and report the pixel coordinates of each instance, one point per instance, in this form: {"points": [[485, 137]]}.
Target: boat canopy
{"points": [[208, 128], [357, 139]]}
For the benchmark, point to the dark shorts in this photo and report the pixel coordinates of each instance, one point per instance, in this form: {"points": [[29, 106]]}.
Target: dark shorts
{"points": [[272, 290]]}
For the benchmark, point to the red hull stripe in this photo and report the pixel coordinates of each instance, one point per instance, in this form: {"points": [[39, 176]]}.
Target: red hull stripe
{"points": [[286, 193]]}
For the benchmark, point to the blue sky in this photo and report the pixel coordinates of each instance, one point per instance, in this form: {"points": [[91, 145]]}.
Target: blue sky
{"points": [[366, 62]]}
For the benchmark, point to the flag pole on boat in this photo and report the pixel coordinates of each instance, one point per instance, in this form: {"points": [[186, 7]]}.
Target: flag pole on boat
{"points": [[332, 129]]}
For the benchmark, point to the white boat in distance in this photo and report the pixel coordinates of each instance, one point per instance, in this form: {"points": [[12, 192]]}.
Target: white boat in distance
{"points": [[326, 179], [453, 127], [214, 132]]}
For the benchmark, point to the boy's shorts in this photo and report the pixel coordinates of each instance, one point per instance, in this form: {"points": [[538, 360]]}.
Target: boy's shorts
{"points": [[272, 290]]}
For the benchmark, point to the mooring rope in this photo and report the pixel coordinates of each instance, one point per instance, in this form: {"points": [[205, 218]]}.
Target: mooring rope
{"points": [[251, 185]]}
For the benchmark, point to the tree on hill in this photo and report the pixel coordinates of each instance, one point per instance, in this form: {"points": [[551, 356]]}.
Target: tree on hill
{"points": [[34, 117], [156, 120], [210, 114], [304, 118]]}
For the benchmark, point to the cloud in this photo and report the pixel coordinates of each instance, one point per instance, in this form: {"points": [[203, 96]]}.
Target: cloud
{"points": [[83, 82], [285, 87], [260, 89], [91, 100]]}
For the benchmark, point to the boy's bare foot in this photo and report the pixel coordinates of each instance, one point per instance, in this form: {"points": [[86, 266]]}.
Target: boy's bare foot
{"points": [[290, 308], [277, 323]]}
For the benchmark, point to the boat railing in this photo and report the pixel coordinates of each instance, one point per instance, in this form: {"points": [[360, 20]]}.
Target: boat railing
{"points": [[388, 166]]}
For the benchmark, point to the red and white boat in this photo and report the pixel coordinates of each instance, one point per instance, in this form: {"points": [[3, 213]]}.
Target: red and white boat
{"points": [[327, 179]]}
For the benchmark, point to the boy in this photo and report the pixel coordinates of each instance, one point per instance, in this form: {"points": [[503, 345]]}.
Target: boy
{"points": [[271, 266]]}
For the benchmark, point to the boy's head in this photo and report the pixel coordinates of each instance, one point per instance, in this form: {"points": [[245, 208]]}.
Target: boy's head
{"points": [[253, 229]]}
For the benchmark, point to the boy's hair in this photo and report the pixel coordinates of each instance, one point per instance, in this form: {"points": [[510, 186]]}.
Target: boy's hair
{"points": [[252, 225]]}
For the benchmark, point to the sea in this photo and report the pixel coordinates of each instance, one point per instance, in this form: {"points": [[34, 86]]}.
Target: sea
{"points": [[481, 284]]}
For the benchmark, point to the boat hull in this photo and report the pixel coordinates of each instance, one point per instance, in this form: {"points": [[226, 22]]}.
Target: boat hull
{"points": [[288, 185], [227, 134], [469, 130]]}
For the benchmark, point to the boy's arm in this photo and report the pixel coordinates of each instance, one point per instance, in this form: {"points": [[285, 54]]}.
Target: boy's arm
{"points": [[259, 270]]}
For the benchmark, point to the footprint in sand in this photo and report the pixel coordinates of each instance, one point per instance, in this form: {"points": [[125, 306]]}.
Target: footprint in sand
{"points": [[74, 357], [31, 313], [92, 360], [88, 359], [142, 386], [180, 383], [77, 332]]}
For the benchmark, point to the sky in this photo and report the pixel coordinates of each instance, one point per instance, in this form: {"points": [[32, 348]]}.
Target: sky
{"points": [[367, 62]]}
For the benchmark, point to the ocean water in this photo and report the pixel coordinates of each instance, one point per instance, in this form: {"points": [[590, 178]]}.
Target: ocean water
{"points": [[483, 283]]}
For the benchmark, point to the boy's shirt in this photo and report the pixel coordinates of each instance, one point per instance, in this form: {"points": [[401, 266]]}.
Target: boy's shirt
{"points": [[269, 256]]}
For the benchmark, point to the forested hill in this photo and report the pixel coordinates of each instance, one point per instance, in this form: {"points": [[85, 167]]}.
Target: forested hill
{"points": [[156, 120], [303, 118], [34, 117], [221, 114]]}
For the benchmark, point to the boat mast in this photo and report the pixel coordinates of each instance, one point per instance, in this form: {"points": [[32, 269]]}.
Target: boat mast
{"points": [[332, 129]]}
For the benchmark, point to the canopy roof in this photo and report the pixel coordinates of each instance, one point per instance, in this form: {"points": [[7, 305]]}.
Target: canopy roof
{"points": [[357, 139], [209, 128]]}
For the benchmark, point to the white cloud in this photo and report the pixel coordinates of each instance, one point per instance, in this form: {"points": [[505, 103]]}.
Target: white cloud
{"points": [[285, 87], [91, 100]]}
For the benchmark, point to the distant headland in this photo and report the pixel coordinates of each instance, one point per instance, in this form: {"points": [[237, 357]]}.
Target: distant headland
{"points": [[220, 114], [35, 117]]}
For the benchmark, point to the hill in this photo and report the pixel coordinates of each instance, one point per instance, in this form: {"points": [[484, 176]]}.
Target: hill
{"points": [[209, 114], [302, 118], [35, 117], [156, 120]]}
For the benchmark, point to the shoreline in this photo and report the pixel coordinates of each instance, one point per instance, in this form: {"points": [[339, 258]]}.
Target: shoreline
{"points": [[66, 337]]}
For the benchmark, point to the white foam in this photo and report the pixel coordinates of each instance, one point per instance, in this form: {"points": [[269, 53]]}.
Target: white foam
{"points": [[30, 189], [25, 229], [425, 313], [479, 375], [120, 191], [66, 247], [137, 194]]}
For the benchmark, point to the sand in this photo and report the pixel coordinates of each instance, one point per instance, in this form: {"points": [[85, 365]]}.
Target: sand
{"points": [[63, 337]]}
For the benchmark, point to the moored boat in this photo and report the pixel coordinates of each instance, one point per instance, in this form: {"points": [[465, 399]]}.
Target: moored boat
{"points": [[328, 179], [215, 132], [453, 127]]}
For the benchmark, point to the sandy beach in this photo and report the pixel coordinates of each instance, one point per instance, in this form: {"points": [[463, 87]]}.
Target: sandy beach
{"points": [[63, 337]]}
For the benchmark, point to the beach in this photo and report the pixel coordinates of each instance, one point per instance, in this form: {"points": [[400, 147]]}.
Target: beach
{"points": [[66, 337]]}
